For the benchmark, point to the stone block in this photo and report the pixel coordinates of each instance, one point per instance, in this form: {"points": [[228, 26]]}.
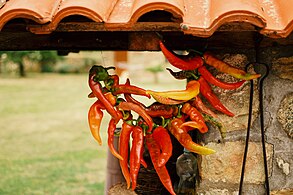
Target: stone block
{"points": [[285, 114], [282, 192], [226, 164], [283, 68], [218, 192]]}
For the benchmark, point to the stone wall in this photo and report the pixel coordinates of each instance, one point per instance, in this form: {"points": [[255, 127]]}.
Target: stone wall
{"points": [[220, 172]]}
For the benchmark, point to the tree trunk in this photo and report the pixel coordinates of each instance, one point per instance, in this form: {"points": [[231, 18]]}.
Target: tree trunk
{"points": [[156, 75], [21, 69]]}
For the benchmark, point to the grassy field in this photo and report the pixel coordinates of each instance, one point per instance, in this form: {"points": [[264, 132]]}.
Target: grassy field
{"points": [[45, 144]]}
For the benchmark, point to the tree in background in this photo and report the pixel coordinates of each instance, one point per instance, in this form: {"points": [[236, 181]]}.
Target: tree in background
{"points": [[15, 57], [46, 59], [155, 71]]}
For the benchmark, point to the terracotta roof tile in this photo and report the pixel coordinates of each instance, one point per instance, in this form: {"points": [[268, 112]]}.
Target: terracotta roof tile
{"points": [[197, 17], [129, 11], [38, 11]]}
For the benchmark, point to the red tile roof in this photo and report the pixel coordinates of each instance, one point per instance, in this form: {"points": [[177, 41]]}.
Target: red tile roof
{"points": [[202, 18]]}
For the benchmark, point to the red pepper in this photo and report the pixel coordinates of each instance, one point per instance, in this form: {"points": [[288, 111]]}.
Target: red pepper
{"points": [[184, 138], [196, 116], [199, 105], [130, 89], [115, 80], [124, 150], [154, 150], [136, 154], [139, 110], [213, 80], [95, 116], [161, 110], [111, 131], [181, 62], [226, 68], [129, 98], [111, 98], [142, 161], [162, 137], [206, 91], [97, 90]]}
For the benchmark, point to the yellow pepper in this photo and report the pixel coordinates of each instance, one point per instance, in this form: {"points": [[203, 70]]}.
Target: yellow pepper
{"points": [[191, 91]]}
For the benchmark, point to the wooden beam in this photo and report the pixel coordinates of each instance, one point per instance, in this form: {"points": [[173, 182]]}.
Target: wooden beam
{"points": [[134, 40]]}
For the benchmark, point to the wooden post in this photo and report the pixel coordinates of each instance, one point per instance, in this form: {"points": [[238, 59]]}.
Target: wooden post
{"points": [[120, 58]]}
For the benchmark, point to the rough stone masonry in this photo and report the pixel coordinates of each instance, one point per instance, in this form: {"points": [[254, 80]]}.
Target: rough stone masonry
{"points": [[220, 172]]}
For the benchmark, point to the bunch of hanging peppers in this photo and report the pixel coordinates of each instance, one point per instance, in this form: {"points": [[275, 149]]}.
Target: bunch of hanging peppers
{"points": [[179, 111]]}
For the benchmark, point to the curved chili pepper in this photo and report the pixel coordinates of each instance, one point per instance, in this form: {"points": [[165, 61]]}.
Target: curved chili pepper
{"points": [[197, 102], [226, 68], [184, 74], [213, 80], [193, 124], [142, 161], [161, 110], [124, 150], [140, 111], [195, 115], [162, 137], [185, 140], [217, 123], [114, 80], [154, 150], [97, 90], [180, 75], [111, 98], [206, 91], [182, 62], [91, 95], [166, 100], [192, 90], [123, 88], [108, 95], [100, 72], [111, 131], [136, 154], [95, 116], [129, 98]]}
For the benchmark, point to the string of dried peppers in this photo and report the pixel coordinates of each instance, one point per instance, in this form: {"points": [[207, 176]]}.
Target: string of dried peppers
{"points": [[180, 111]]}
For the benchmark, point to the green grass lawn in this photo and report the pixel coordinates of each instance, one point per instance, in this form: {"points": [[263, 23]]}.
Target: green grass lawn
{"points": [[45, 144]]}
